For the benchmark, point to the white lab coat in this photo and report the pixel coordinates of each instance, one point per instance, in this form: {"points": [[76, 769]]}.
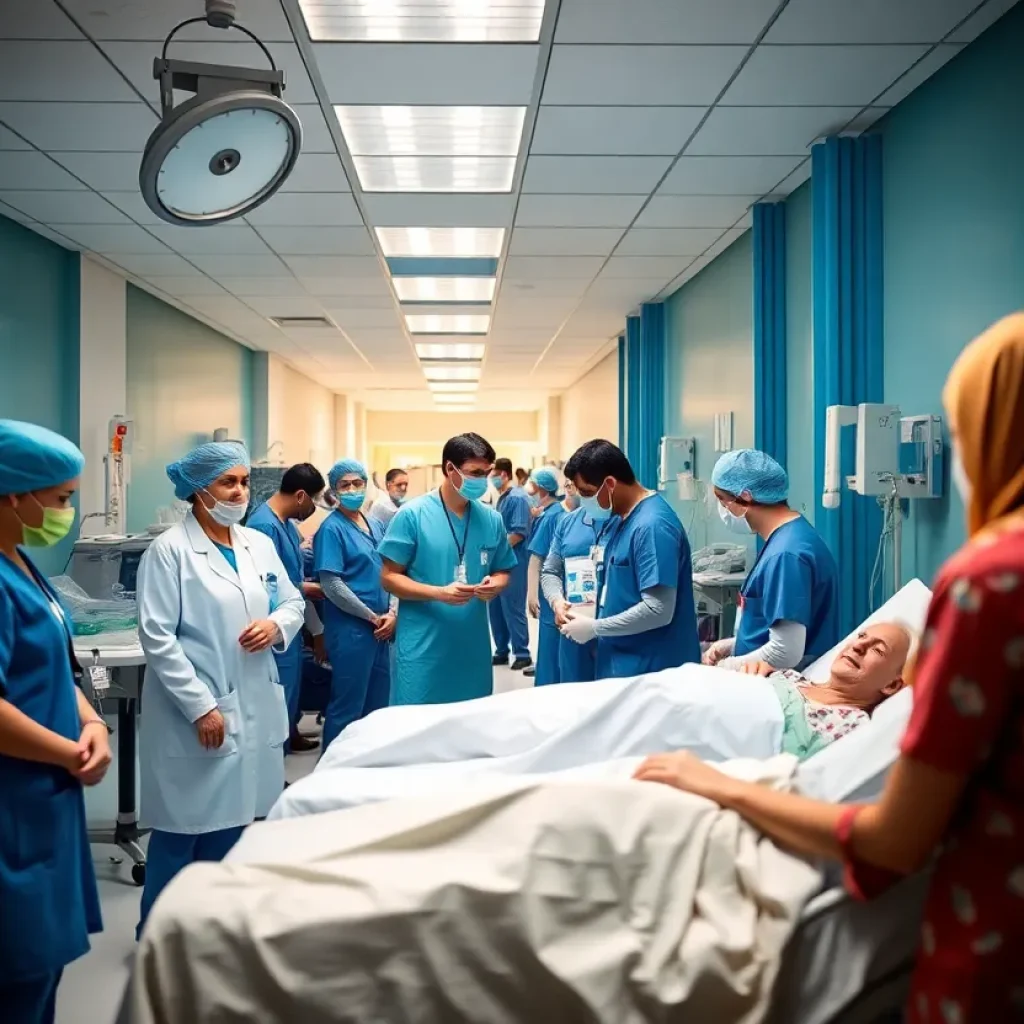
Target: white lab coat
{"points": [[192, 609]]}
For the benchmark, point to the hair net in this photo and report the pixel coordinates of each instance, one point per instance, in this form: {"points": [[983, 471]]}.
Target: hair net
{"points": [[345, 467], [752, 471], [33, 458], [546, 480], [203, 465]]}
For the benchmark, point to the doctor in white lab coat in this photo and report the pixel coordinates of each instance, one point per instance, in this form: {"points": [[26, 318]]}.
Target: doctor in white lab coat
{"points": [[214, 603]]}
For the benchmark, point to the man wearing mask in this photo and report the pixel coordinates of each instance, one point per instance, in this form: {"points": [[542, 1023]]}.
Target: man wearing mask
{"points": [[445, 556], [508, 614], [645, 619], [302, 488], [390, 500]]}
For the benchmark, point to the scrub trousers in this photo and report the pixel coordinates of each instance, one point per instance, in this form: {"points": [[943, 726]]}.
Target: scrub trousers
{"points": [[33, 1001], [289, 668], [171, 852], [577, 663], [360, 674], [548, 642], [508, 617]]}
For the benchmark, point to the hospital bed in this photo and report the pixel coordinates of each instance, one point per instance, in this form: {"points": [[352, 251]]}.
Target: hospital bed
{"points": [[845, 962]]}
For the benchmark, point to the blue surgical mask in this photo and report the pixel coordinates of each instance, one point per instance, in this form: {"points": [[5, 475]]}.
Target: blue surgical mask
{"points": [[473, 488], [533, 499], [734, 523], [592, 508], [497, 482], [352, 500]]}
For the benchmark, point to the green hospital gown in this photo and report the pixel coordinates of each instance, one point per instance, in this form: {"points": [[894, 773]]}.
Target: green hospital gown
{"points": [[443, 652]]}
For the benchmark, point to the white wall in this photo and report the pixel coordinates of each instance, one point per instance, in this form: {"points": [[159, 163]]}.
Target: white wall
{"points": [[102, 378], [590, 408], [300, 419]]}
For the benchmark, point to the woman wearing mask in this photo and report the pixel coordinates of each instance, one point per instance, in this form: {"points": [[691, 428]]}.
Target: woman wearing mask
{"points": [[358, 619], [52, 742], [214, 602], [959, 785]]}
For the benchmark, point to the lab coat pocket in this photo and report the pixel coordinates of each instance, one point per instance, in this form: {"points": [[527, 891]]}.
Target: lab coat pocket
{"points": [[183, 736], [228, 707]]}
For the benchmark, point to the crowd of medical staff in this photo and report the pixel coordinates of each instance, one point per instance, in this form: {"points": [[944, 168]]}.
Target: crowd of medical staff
{"points": [[402, 597]]}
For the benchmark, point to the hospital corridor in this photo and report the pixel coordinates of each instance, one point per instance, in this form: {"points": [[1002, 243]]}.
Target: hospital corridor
{"points": [[511, 510]]}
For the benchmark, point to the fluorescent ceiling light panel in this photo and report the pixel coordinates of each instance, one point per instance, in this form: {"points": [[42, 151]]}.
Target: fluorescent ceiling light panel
{"points": [[456, 351], [423, 21], [452, 373], [440, 387], [447, 323], [443, 242], [477, 174], [444, 289]]}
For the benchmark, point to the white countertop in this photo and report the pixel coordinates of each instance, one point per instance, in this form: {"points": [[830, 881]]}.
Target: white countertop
{"points": [[119, 656]]}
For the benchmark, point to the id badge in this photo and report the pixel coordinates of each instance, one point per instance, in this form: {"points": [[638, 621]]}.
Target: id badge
{"points": [[597, 555], [99, 679], [460, 573]]}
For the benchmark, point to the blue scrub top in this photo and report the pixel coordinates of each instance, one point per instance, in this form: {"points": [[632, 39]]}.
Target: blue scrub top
{"points": [[286, 538], [341, 547], [649, 549], [795, 579], [443, 652], [514, 508], [540, 542], [48, 899]]}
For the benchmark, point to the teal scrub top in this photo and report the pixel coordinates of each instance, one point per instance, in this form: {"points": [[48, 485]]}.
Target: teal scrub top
{"points": [[443, 652]]}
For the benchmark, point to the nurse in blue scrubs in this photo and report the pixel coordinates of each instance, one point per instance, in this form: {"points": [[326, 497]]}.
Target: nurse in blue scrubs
{"points": [[302, 487], [789, 604], [52, 742], [544, 485], [646, 619], [358, 619]]}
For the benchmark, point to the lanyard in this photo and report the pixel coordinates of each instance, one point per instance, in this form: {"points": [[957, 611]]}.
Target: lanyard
{"points": [[461, 549]]}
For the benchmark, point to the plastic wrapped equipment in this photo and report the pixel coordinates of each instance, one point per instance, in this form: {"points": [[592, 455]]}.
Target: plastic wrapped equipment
{"points": [[89, 616], [720, 558]]}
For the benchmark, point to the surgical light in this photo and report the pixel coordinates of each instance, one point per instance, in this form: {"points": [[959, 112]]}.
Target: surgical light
{"points": [[228, 148]]}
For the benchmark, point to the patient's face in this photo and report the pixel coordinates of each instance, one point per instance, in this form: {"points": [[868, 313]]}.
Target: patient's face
{"points": [[871, 665]]}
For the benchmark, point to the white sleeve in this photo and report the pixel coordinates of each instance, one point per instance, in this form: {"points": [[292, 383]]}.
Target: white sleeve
{"points": [[313, 623], [784, 649]]}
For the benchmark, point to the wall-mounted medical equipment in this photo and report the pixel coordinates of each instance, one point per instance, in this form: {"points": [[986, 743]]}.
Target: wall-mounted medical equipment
{"points": [[677, 461], [723, 431], [897, 458], [107, 566], [117, 474], [228, 147]]}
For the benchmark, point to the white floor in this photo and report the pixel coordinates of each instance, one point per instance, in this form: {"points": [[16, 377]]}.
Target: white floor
{"points": [[92, 987]]}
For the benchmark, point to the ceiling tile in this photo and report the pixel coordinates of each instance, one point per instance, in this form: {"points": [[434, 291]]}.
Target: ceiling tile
{"points": [[316, 137], [65, 207], [27, 73], [526, 290], [183, 287], [113, 238], [402, 210], [867, 118], [220, 239], [867, 21], [727, 239], [99, 127], [793, 182], [316, 172], [31, 171], [577, 211], [666, 211], [563, 241], [338, 288], [30, 19], [333, 266], [133, 205], [152, 21], [351, 319], [8, 140], [645, 266], [630, 175], [299, 209], [104, 172], [266, 265], [285, 305], [978, 23], [662, 21], [840, 76], [548, 267], [727, 175], [12, 214], [918, 74], [136, 62], [650, 131], [667, 241], [246, 286], [146, 266], [767, 131], [318, 241], [417, 73], [639, 75]]}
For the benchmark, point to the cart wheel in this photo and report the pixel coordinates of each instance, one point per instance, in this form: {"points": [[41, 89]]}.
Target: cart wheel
{"points": [[139, 874]]}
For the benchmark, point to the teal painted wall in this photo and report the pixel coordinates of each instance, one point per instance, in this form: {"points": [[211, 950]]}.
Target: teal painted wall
{"points": [[954, 239], [711, 370], [799, 352], [184, 381], [39, 307]]}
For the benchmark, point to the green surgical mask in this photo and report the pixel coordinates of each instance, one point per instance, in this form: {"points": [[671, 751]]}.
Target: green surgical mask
{"points": [[57, 523]]}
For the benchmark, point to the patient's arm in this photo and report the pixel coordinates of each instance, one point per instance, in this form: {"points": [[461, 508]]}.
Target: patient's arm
{"points": [[784, 649], [654, 609]]}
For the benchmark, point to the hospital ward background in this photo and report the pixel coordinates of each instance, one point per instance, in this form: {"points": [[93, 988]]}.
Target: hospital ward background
{"points": [[432, 251]]}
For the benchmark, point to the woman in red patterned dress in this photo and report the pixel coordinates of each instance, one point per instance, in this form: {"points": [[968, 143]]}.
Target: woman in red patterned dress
{"points": [[958, 787]]}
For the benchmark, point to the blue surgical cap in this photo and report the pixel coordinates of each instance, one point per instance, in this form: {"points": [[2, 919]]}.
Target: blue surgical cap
{"points": [[197, 470], [345, 467], [33, 458], [546, 480], [752, 471]]}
